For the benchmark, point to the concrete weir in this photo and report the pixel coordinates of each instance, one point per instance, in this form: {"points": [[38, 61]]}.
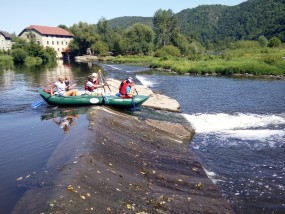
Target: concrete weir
{"points": [[123, 164]]}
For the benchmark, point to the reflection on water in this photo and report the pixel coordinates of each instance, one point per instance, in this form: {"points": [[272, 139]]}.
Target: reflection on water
{"points": [[64, 118]]}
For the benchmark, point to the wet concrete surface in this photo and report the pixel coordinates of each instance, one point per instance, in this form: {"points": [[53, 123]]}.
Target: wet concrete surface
{"points": [[124, 165]]}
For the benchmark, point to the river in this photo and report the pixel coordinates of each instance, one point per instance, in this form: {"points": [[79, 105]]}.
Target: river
{"points": [[239, 124]]}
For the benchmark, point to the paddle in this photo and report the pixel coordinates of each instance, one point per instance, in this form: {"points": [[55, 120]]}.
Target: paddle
{"points": [[37, 103], [103, 85], [103, 80]]}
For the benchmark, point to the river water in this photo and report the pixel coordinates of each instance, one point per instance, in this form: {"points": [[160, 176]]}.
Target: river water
{"points": [[239, 124]]}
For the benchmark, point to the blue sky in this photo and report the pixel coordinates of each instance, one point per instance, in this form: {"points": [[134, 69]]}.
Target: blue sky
{"points": [[17, 14]]}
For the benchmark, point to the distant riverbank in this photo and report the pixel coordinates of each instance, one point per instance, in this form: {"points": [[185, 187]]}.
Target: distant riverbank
{"points": [[241, 66]]}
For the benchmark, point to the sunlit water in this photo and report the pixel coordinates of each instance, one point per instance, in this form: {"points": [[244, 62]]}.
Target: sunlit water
{"points": [[239, 124], [240, 135]]}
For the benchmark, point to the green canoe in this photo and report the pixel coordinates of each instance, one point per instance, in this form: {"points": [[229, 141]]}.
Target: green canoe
{"points": [[84, 99]]}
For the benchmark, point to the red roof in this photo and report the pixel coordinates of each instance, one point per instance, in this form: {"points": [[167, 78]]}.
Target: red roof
{"points": [[48, 30]]}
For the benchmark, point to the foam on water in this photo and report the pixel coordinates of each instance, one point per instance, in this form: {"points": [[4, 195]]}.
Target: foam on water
{"points": [[145, 81], [245, 128]]}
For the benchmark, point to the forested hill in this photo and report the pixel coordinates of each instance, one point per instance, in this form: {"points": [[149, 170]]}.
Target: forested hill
{"points": [[127, 21], [247, 20]]}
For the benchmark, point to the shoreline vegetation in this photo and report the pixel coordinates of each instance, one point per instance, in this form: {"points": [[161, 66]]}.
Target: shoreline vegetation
{"points": [[253, 63]]}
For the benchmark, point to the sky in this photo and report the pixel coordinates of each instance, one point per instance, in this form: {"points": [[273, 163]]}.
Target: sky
{"points": [[16, 15]]}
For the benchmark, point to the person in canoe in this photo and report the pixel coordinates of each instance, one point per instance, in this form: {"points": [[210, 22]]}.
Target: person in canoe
{"points": [[68, 83], [127, 88], [93, 86], [62, 89]]}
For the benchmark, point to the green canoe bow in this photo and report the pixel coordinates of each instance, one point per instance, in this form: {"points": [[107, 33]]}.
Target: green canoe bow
{"points": [[110, 100]]}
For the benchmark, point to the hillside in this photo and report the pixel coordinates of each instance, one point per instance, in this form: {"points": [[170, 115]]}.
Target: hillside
{"points": [[127, 21], [211, 23]]}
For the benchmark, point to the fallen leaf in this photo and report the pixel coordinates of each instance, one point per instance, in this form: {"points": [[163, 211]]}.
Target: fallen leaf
{"points": [[83, 197], [20, 178], [70, 188]]}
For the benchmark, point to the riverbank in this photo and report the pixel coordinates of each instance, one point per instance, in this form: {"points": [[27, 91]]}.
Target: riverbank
{"points": [[124, 165]]}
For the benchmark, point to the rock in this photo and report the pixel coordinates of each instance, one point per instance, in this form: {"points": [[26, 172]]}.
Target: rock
{"points": [[176, 129], [124, 165]]}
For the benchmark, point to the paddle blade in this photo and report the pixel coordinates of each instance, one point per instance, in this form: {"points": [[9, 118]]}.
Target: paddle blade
{"points": [[37, 103]]}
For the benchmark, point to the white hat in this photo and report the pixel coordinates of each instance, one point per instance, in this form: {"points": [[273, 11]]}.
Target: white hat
{"points": [[94, 75]]}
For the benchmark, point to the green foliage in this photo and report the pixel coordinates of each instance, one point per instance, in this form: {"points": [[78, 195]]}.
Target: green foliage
{"points": [[100, 48], [165, 24], [271, 59], [29, 61], [140, 39], [85, 37], [5, 59], [22, 49], [168, 50], [274, 42], [19, 55], [128, 21], [214, 24], [263, 41]]}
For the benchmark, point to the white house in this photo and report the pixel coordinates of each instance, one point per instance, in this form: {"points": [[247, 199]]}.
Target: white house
{"points": [[54, 37], [5, 41]]}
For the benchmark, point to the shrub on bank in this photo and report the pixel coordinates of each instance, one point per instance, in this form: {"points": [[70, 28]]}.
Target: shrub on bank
{"points": [[6, 60], [29, 61]]}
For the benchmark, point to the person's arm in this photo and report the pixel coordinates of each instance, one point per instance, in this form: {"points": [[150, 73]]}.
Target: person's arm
{"points": [[70, 87], [51, 89], [128, 91]]}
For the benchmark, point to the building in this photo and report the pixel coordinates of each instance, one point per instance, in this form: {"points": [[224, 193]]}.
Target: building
{"points": [[54, 37], [5, 41]]}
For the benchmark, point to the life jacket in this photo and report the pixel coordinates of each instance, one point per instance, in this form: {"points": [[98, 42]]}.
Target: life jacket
{"points": [[87, 88], [122, 89]]}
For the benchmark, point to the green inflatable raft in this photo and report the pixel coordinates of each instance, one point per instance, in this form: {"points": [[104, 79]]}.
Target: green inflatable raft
{"points": [[85, 99]]}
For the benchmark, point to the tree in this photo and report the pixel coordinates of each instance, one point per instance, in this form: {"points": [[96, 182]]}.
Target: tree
{"points": [[63, 27], [263, 41], [165, 26], [105, 32], [274, 42], [85, 37], [140, 38], [100, 48]]}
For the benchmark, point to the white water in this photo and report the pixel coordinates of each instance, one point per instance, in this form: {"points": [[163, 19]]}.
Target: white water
{"points": [[146, 81], [240, 126]]}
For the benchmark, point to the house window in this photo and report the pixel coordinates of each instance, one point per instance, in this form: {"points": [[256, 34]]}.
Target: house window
{"points": [[57, 42], [52, 42], [62, 42], [66, 43], [58, 49], [27, 36], [47, 42]]}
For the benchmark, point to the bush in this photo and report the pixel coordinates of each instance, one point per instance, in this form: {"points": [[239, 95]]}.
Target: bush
{"points": [[5, 59], [33, 60], [274, 42], [271, 59], [19, 55], [168, 50]]}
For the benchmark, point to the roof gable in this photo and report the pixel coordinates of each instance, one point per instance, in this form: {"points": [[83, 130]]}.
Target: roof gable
{"points": [[45, 30], [6, 35]]}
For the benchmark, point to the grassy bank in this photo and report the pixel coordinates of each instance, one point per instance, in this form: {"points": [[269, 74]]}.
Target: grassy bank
{"points": [[255, 61]]}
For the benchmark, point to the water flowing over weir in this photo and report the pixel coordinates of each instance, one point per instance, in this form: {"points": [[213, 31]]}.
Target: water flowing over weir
{"points": [[240, 135]]}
